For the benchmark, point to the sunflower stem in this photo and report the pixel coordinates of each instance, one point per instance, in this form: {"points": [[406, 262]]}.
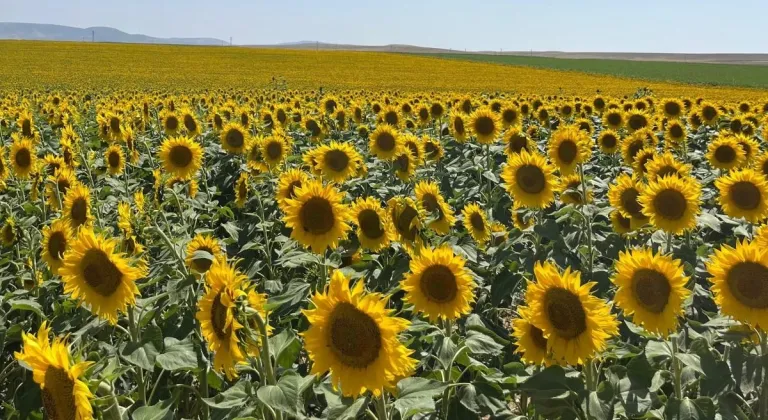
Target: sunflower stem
{"points": [[266, 359], [676, 370], [267, 240], [136, 338], [587, 222], [669, 243], [764, 385], [381, 406]]}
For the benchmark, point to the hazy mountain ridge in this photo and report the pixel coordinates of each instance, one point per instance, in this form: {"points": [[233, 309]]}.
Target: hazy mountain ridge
{"points": [[47, 32]]}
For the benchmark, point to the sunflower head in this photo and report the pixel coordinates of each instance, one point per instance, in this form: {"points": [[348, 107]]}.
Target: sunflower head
{"points": [[234, 137], [476, 223], [740, 282], [317, 216], [439, 285], [385, 142], [609, 141], [569, 147], [337, 161], [458, 126], [430, 199], [672, 203], [484, 124], [530, 180], [531, 344], [373, 226], [23, 157], [77, 206], [744, 193], [517, 141], [724, 152]]}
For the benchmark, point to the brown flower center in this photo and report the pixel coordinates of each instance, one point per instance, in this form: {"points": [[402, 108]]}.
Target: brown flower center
{"points": [[748, 282], [353, 336], [100, 273], [438, 284], [317, 216], [651, 289], [565, 313]]}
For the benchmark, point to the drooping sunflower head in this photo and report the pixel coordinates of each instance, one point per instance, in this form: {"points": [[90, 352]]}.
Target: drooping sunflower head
{"points": [[476, 223], [740, 282], [405, 164], [354, 335], [724, 152], [315, 129], [8, 233], [406, 218], [77, 206], [437, 209], [576, 324], [433, 149], [384, 142], [761, 164], [624, 195], [484, 124], [202, 251], [234, 137], [530, 180], [56, 240], [181, 156], [672, 203], [23, 157], [64, 394], [317, 216], [25, 124], [621, 224], [415, 146], [94, 273], [645, 155], [190, 123], [633, 144], [569, 147], [373, 226], [242, 187], [651, 288], [58, 185], [608, 140], [438, 285], [744, 193]]}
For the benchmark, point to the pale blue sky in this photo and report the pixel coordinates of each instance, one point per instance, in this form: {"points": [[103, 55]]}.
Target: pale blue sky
{"points": [[689, 26]]}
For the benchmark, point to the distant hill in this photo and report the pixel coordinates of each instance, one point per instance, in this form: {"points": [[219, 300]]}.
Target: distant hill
{"points": [[45, 32]]}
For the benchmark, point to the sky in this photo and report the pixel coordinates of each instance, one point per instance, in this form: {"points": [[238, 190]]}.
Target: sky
{"points": [[679, 26]]}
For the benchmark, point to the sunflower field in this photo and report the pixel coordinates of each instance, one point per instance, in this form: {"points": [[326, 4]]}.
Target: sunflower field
{"points": [[281, 253]]}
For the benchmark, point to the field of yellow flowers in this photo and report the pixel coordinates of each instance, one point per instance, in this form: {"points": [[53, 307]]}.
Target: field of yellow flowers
{"points": [[69, 65], [374, 236]]}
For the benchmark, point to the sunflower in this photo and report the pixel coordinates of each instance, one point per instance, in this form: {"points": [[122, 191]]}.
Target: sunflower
{"points": [[433, 149], [404, 164], [709, 113], [202, 251], [26, 124], [651, 288], [438, 285], [517, 141], [317, 216], [181, 157], [672, 203], [58, 186], [666, 164], [724, 152], [56, 240], [576, 324], [241, 190], [740, 282], [521, 219], [77, 206], [531, 344], [744, 193], [8, 232], [415, 146], [675, 132], [23, 157], [316, 131], [642, 157], [406, 219], [384, 142], [337, 161], [115, 159], [608, 140], [458, 127], [569, 147], [288, 183], [94, 273], [53, 163], [355, 336], [190, 185], [613, 119], [510, 115], [476, 223], [672, 108], [485, 125], [624, 196], [422, 112], [274, 149], [373, 227], [170, 121], [64, 394], [621, 225], [216, 314], [530, 180], [438, 211], [330, 103], [234, 137], [3, 165], [750, 146], [571, 191], [390, 115]]}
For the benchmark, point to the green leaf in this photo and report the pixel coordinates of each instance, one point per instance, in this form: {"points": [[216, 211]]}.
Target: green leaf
{"points": [[178, 355], [692, 361], [416, 396], [286, 347], [159, 411], [144, 353], [234, 397], [27, 305], [480, 343], [347, 412]]}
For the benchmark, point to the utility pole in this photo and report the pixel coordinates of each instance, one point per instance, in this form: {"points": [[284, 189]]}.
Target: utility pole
{"points": [[230, 41], [93, 36]]}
